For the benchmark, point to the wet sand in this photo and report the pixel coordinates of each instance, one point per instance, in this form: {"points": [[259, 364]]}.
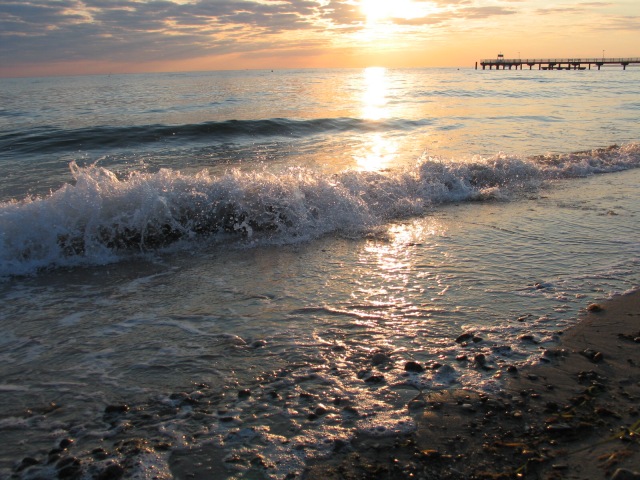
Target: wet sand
{"points": [[574, 416]]}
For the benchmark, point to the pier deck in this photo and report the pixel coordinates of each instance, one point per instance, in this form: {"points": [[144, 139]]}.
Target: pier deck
{"points": [[555, 63]]}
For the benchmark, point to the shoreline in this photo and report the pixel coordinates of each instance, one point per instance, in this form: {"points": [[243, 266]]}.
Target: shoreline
{"points": [[577, 416]]}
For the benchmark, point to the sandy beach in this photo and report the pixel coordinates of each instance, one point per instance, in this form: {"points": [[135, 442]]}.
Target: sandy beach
{"points": [[576, 415]]}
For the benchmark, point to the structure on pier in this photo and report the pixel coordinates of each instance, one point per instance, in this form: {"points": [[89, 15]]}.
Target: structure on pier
{"points": [[501, 63]]}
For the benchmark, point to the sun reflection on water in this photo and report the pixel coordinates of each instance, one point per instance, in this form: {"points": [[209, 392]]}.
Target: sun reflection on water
{"points": [[395, 276], [399, 287], [380, 151], [374, 99], [377, 154]]}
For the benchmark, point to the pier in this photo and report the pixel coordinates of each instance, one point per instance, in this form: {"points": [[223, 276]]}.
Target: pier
{"points": [[501, 63]]}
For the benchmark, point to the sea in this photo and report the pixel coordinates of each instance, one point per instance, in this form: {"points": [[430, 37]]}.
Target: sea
{"points": [[233, 274]]}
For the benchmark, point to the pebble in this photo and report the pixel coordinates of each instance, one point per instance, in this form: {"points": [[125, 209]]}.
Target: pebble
{"points": [[112, 472], [114, 409], [375, 379], [605, 412], [26, 462], [555, 352], [68, 467], [625, 474], [380, 358], [339, 445], [320, 410], [274, 395], [550, 407], [416, 404], [259, 461], [99, 453], [183, 398], [412, 366], [65, 443], [589, 376], [480, 359], [464, 337], [528, 338], [594, 356], [559, 428], [351, 410], [503, 350]]}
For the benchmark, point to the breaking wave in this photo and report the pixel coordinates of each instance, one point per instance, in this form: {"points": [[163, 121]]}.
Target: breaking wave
{"points": [[100, 218], [49, 139]]}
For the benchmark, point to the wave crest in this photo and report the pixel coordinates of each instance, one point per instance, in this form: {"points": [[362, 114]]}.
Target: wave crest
{"points": [[100, 218]]}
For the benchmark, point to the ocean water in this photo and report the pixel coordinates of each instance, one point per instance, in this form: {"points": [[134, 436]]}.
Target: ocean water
{"points": [[224, 274]]}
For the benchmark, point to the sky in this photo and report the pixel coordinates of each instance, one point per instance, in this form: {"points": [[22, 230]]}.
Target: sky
{"points": [[71, 37]]}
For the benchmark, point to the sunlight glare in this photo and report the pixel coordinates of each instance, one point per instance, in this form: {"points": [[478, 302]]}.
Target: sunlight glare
{"points": [[376, 10], [378, 152], [374, 99]]}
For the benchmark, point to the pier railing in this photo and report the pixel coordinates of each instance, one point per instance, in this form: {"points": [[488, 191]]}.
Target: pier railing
{"points": [[562, 60], [556, 63]]}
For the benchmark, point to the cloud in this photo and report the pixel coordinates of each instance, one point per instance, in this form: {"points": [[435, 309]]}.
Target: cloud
{"points": [[596, 4], [461, 13], [39, 32], [622, 24], [578, 8], [485, 12], [340, 13], [32, 31]]}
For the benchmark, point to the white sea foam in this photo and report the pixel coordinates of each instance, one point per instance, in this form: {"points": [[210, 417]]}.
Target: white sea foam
{"points": [[101, 218]]}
